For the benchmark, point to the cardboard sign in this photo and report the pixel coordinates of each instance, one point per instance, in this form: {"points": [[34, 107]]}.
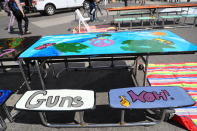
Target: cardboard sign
{"points": [[56, 100], [149, 97]]}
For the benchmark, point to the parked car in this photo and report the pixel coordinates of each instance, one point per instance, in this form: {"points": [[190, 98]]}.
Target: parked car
{"points": [[49, 7]]}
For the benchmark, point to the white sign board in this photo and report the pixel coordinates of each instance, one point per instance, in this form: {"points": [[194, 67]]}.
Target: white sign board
{"points": [[56, 100]]}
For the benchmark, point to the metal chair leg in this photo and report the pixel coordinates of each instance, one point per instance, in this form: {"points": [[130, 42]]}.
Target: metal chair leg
{"points": [[3, 124], [118, 25], [194, 24], [163, 23], [122, 117], [131, 25], [7, 113], [81, 115]]}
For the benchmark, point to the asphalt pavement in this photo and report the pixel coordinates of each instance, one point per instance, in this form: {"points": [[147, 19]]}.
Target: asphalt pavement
{"points": [[100, 81]]}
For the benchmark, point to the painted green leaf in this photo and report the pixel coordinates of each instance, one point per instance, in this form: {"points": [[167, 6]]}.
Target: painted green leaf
{"points": [[15, 42], [70, 47], [145, 45]]}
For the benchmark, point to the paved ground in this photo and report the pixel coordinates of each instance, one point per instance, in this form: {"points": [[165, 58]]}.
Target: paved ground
{"points": [[100, 81]]}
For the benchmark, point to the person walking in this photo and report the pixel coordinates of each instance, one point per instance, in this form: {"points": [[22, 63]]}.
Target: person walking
{"points": [[11, 15], [17, 10], [92, 5]]}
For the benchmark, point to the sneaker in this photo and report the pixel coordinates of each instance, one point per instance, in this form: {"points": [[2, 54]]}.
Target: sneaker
{"points": [[10, 30], [27, 32]]}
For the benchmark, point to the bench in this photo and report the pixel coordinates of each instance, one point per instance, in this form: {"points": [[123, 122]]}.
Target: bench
{"points": [[57, 100], [162, 98], [4, 95], [150, 18], [119, 20], [190, 16], [173, 11], [134, 13], [174, 17], [142, 19]]}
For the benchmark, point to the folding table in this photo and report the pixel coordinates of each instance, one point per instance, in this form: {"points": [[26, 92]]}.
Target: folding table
{"points": [[100, 46], [134, 45]]}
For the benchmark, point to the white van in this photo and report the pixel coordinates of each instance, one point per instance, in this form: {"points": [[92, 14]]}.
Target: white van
{"points": [[50, 6]]}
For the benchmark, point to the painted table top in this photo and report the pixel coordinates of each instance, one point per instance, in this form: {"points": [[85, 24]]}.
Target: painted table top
{"points": [[4, 95], [108, 44], [149, 97], [10, 48], [56, 100]]}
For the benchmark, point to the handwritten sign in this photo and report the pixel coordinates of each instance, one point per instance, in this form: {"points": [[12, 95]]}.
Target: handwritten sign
{"points": [[56, 100], [149, 97]]}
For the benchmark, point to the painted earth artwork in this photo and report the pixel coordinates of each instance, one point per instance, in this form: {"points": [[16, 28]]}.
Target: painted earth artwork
{"points": [[12, 47], [7, 46], [95, 44]]}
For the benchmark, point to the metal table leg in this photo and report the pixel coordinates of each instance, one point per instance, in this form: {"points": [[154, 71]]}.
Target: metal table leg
{"points": [[145, 71], [7, 113], [3, 124], [40, 75], [122, 117], [23, 74]]}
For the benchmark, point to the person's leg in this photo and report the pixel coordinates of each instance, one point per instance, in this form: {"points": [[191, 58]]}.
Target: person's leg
{"points": [[20, 26], [19, 16], [12, 19], [94, 11], [26, 24], [94, 14], [11, 22], [91, 11]]}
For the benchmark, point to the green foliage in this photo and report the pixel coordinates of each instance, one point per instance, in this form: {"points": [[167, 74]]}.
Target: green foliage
{"points": [[141, 46], [70, 47]]}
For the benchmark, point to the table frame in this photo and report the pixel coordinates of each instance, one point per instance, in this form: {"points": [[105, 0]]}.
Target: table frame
{"points": [[83, 124], [144, 57]]}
